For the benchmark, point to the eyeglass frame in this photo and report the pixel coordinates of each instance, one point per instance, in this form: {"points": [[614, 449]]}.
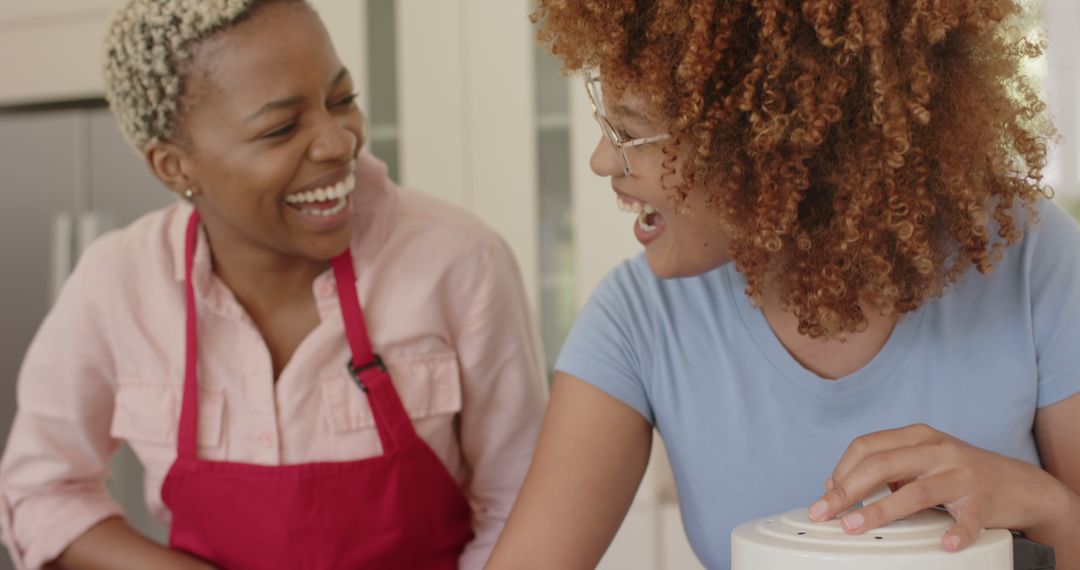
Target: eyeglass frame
{"points": [[609, 131]]}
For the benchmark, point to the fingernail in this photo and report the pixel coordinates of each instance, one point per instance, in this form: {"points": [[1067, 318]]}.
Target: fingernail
{"points": [[854, 521], [952, 543], [818, 509], [829, 484]]}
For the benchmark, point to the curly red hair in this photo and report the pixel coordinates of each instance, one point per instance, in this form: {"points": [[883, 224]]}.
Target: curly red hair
{"points": [[861, 151]]}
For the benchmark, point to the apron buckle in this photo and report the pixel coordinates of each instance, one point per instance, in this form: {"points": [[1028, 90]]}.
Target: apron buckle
{"points": [[376, 362]]}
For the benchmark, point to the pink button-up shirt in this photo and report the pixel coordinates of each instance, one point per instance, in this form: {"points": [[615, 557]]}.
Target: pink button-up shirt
{"points": [[445, 308]]}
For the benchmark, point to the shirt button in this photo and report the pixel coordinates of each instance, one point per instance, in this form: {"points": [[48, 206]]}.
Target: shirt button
{"points": [[326, 289], [266, 439]]}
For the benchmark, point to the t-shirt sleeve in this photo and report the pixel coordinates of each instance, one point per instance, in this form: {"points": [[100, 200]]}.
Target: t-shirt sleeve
{"points": [[1055, 299], [606, 345]]}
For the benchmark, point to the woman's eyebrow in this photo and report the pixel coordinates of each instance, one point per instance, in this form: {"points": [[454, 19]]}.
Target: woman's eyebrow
{"points": [[294, 101], [630, 113], [625, 114], [341, 75], [273, 106]]}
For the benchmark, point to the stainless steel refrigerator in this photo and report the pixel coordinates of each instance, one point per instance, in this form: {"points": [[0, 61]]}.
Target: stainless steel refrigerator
{"points": [[66, 176]]}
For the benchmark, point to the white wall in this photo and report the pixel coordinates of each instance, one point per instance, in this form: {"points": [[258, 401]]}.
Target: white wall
{"points": [[466, 111], [50, 50], [1062, 82], [346, 24], [603, 235]]}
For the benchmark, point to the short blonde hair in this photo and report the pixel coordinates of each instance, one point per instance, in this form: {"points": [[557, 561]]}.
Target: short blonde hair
{"points": [[147, 43]]}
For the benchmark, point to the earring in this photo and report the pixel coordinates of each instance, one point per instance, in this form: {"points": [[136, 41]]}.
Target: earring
{"points": [[190, 193]]}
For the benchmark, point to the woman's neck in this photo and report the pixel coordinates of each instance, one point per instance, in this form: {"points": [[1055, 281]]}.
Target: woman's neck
{"points": [[274, 289], [829, 359], [261, 279]]}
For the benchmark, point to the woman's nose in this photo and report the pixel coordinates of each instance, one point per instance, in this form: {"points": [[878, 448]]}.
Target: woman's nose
{"points": [[605, 160], [335, 142]]}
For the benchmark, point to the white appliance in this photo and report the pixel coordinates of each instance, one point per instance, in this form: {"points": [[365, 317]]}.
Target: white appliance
{"points": [[791, 541]]}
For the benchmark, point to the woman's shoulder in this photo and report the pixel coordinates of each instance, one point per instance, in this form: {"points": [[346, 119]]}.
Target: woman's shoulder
{"points": [[634, 273], [631, 280], [429, 235], [151, 244], [408, 222], [1051, 225], [1049, 242], [1050, 253], [632, 287], [423, 215], [1043, 266]]}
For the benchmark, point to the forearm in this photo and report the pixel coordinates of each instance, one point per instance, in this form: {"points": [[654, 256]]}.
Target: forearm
{"points": [[115, 545], [1062, 531], [589, 461], [1057, 433]]}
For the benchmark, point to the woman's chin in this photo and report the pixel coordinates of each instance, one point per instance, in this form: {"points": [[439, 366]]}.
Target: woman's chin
{"points": [[664, 266], [326, 247]]}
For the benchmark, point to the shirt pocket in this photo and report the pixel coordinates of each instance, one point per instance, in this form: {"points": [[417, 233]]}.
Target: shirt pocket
{"points": [[148, 415], [429, 385]]}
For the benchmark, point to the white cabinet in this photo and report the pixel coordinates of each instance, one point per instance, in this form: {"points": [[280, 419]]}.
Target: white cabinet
{"points": [[50, 50], [14, 12], [51, 58]]}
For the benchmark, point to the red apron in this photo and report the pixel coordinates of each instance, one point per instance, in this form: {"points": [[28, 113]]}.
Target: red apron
{"points": [[400, 510]]}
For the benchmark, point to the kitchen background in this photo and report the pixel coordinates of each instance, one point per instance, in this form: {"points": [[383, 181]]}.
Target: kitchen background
{"points": [[507, 137]]}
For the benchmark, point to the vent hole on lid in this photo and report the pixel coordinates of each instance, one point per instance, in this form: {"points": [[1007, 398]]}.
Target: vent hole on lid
{"points": [[768, 522], [879, 538], [801, 532]]}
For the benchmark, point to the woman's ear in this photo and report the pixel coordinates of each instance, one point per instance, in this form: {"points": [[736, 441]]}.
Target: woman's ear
{"points": [[171, 165]]}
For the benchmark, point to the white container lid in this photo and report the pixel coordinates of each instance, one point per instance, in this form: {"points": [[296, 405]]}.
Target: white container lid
{"points": [[792, 541]]}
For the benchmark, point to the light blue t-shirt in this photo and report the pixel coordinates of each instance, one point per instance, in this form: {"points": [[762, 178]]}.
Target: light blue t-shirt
{"points": [[752, 433]]}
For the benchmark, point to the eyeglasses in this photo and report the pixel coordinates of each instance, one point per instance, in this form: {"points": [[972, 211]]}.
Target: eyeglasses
{"points": [[595, 92]]}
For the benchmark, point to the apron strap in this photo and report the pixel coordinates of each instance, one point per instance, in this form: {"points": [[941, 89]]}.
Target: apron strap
{"points": [[391, 419], [189, 409]]}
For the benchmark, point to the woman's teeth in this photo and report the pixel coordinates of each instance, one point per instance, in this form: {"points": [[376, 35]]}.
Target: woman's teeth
{"points": [[643, 222], [336, 192], [326, 212], [643, 211]]}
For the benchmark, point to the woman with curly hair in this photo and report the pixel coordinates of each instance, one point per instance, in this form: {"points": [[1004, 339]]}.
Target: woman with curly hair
{"points": [[851, 277], [316, 368]]}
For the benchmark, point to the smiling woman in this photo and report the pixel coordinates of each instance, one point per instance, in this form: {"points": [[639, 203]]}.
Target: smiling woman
{"points": [[850, 278], [226, 340], [240, 138]]}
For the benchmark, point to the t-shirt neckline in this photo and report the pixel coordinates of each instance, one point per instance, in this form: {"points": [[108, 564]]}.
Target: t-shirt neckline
{"points": [[883, 366]]}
